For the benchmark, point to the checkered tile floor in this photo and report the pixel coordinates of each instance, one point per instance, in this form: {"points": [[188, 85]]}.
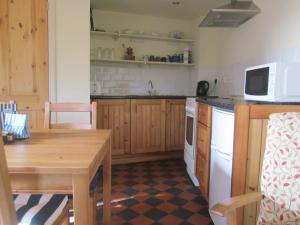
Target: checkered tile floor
{"points": [[155, 193]]}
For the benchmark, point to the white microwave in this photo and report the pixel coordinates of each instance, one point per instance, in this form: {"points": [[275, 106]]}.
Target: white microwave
{"points": [[273, 82]]}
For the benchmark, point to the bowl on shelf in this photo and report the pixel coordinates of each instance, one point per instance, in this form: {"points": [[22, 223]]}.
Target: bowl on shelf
{"points": [[176, 34], [139, 32], [127, 31], [156, 34]]}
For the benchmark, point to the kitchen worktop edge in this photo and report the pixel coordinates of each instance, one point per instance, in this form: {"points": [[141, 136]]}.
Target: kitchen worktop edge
{"points": [[95, 97], [230, 103]]}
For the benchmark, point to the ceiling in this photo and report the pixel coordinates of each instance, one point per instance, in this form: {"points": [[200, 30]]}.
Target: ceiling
{"points": [[187, 9]]}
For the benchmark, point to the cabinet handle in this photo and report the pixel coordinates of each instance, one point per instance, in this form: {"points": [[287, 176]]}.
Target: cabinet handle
{"points": [[252, 189]]}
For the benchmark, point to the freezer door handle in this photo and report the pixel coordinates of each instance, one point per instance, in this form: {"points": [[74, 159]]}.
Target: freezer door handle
{"points": [[225, 156], [213, 147]]}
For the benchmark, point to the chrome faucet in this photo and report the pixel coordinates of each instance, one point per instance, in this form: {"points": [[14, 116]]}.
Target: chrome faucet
{"points": [[150, 88]]}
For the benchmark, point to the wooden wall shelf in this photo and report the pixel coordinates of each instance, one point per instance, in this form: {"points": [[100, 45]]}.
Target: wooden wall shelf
{"points": [[139, 36], [141, 62]]}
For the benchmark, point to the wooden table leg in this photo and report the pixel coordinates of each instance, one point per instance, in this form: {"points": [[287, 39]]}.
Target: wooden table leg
{"points": [[81, 204], [107, 187]]}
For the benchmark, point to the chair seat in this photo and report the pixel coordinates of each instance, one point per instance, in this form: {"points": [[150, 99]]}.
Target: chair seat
{"points": [[39, 209]]}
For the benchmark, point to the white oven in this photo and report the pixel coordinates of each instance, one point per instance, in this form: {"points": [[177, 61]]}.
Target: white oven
{"points": [[190, 138]]}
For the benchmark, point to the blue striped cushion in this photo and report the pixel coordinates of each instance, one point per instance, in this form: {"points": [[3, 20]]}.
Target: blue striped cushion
{"points": [[6, 108], [39, 209], [17, 124]]}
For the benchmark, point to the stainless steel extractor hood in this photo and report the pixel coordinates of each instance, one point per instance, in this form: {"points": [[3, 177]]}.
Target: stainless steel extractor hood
{"points": [[230, 15]]}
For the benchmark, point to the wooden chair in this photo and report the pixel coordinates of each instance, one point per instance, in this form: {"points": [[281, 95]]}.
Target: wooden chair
{"points": [[280, 180], [70, 107], [50, 209], [76, 107]]}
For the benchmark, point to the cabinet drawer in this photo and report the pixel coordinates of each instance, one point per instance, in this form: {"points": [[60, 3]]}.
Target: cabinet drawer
{"points": [[203, 140], [200, 169], [202, 173], [204, 114]]}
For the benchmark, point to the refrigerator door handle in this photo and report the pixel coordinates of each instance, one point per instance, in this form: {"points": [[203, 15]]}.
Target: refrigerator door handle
{"points": [[213, 147]]}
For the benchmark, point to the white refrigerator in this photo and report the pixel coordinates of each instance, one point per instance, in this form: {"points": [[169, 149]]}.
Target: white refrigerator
{"points": [[221, 159]]}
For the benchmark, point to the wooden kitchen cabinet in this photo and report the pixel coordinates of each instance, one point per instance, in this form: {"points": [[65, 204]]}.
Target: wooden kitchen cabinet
{"points": [[114, 114], [24, 56], [148, 122], [143, 129], [175, 124], [203, 148]]}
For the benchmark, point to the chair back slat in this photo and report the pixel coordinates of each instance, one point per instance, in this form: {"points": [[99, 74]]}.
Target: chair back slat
{"points": [[7, 210], [70, 107], [74, 126]]}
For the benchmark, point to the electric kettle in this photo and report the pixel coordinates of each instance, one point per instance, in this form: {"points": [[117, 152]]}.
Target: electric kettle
{"points": [[202, 88]]}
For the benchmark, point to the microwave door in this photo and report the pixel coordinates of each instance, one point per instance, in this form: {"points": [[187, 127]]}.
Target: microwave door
{"points": [[257, 82]]}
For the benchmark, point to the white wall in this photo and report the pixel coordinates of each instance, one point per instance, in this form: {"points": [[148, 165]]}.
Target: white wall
{"points": [[69, 40], [275, 29], [273, 35], [206, 54], [121, 79]]}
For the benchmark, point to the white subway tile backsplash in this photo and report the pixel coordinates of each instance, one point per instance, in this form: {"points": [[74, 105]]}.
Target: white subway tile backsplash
{"points": [[117, 76], [133, 79], [129, 77], [103, 77]]}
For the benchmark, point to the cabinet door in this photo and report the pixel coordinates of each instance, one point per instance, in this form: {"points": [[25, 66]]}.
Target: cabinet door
{"points": [[24, 56], [203, 158], [115, 115], [147, 125], [175, 124]]}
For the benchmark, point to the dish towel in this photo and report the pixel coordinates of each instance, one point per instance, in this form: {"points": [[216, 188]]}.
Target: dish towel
{"points": [[6, 108], [17, 124]]}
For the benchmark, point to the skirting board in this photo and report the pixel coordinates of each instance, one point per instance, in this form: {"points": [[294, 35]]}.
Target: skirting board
{"points": [[124, 159]]}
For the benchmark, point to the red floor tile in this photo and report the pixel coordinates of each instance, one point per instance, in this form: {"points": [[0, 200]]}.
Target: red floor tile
{"points": [[167, 207], [141, 208], [170, 219], [197, 219], [141, 220]]}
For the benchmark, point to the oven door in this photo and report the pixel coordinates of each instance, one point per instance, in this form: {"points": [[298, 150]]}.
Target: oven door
{"points": [[190, 134]]}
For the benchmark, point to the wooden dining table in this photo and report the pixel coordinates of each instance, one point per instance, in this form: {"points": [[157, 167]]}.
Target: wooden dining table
{"points": [[63, 162]]}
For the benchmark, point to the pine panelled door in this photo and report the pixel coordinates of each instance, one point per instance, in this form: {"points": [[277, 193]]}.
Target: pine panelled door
{"points": [[24, 56]]}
